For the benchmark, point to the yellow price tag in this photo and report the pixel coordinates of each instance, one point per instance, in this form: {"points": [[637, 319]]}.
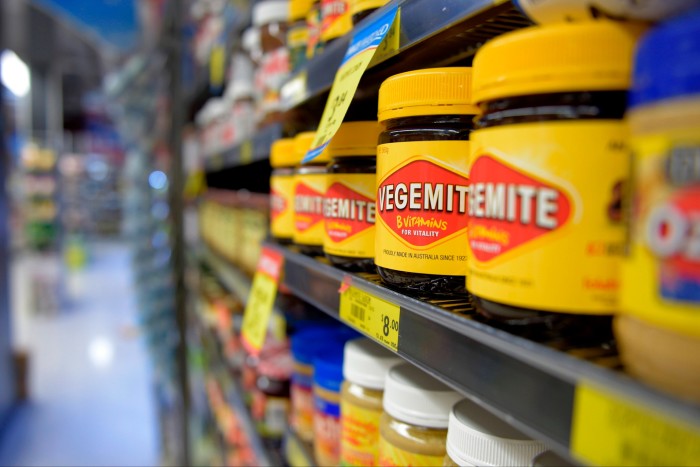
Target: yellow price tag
{"points": [[377, 318], [609, 430], [246, 152], [258, 309], [362, 48], [391, 43]]}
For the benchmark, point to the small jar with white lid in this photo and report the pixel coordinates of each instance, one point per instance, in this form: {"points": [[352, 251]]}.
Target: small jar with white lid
{"points": [[413, 427], [476, 437], [364, 368]]}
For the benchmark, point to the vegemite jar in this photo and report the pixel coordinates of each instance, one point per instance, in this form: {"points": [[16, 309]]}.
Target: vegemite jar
{"points": [[282, 159], [548, 167], [360, 9], [423, 181], [658, 330], [350, 207], [309, 189]]}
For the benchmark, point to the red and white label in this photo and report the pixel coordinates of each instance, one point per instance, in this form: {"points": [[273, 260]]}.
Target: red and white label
{"points": [[308, 207], [423, 202], [508, 208], [278, 204], [347, 212]]}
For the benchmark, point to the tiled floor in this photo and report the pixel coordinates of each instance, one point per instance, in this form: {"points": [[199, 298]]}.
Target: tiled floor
{"points": [[91, 394]]}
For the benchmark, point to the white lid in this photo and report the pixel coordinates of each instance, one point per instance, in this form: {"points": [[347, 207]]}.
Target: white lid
{"points": [[413, 396], [270, 11], [476, 437], [250, 41], [238, 89], [367, 363]]}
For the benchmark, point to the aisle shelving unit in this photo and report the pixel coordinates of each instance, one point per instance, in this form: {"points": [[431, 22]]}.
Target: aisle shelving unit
{"points": [[533, 384]]}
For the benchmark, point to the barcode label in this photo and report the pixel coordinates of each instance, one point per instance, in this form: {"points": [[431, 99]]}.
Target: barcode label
{"points": [[357, 312]]}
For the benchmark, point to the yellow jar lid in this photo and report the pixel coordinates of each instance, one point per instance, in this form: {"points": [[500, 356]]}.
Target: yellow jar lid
{"points": [[302, 143], [358, 6], [298, 9], [431, 91], [585, 56], [355, 139], [282, 153]]}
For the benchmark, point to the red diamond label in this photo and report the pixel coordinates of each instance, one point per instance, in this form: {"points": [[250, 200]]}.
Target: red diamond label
{"points": [[278, 204], [308, 207], [508, 208], [347, 212], [423, 203]]}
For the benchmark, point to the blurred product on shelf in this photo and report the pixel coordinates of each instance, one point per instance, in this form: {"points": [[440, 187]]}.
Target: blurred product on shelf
{"points": [[314, 46], [539, 198], [350, 202], [336, 20], [234, 224], [555, 11], [283, 159], [364, 368], [413, 433], [298, 33], [310, 183], [270, 17], [306, 345], [422, 180], [271, 405], [659, 329], [360, 9], [328, 377], [476, 437], [550, 459]]}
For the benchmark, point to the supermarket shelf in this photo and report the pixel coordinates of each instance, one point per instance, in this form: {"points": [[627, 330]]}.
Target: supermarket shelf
{"points": [[297, 453], [437, 32], [255, 149], [231, 277], [532, 385]]}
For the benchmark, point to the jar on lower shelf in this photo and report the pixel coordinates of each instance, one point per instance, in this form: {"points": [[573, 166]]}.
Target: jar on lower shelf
{"points": [[364, 368], [328, 377], [413, 427]]}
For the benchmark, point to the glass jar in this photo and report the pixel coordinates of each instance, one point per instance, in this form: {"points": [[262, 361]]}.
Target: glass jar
{"points": [[283, 160], [548, 165], [313, 24], [271, 404], [364, 369], [298, 32], [310, 182], [658, 330], [270, 16], [335, 20], [423, 180], [328, 377], [476, 437], [360, 9], [350, 201], [413, 427]]}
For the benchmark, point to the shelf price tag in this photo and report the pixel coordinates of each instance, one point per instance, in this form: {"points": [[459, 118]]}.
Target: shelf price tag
{"points": [[358, 56], [261, 300], [246, 152], [372, 315], [609, 430]]}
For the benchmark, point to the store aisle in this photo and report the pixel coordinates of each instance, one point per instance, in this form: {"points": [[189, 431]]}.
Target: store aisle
{"points": [[91, 395]]}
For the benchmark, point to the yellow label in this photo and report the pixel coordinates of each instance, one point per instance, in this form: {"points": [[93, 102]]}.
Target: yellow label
{"points": [[246, 152], [661, 274], [422, 207], [390, 455], [349, 213], [359, 438], [545, 215], [391, 43], [297, 37], [377, 318], [295, 453], [309, 191], [282, 206], [217, 65], [258, 309], [611, 430]]}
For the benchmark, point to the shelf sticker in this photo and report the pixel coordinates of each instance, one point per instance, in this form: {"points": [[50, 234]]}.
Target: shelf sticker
{"points": [[391, 43], [258, 310], [362, 48], [372, 315], [246, 152], [293, 91], [611, 430]]}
